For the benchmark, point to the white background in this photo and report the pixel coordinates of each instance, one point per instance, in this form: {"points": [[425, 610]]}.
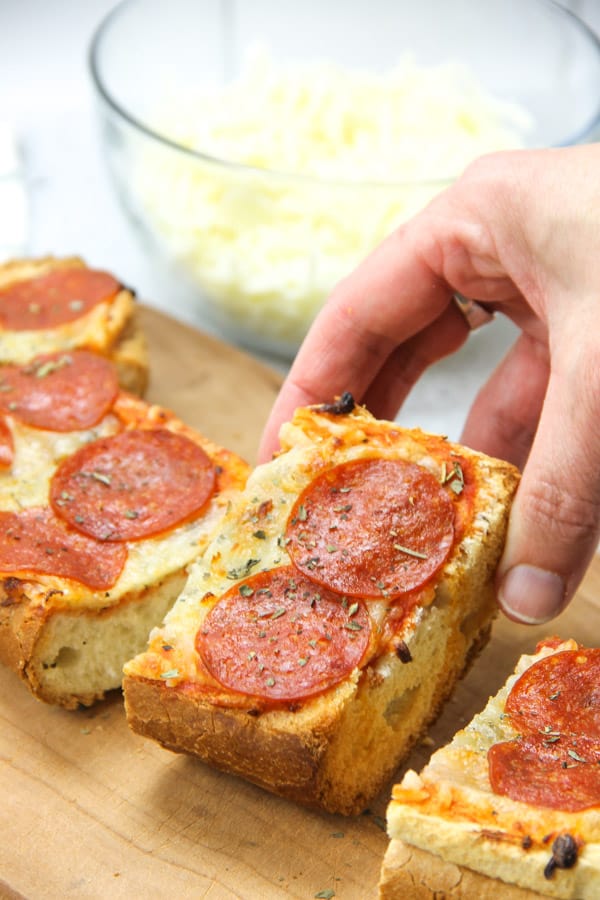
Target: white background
{"points": [[46, 101]]}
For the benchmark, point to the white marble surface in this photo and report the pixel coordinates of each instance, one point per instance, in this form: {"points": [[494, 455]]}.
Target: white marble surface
{"points": [[46, 101]]}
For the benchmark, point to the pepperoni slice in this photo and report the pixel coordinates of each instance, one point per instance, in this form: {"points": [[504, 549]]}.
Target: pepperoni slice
{"points": [[132, 485], [276, 636], [35, 540], [562, 692], [555, 761], [59, 391], [549, 770], [6, 445], [55, 298], [371, 527]]}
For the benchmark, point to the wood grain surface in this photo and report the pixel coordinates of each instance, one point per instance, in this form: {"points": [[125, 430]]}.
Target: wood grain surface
{"points": [[90, 810]]}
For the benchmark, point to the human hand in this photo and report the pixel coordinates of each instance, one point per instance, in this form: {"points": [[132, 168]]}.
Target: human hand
{"points": [[519, 231]]}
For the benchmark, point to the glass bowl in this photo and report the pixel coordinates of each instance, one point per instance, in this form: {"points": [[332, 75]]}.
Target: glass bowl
{"points": [[262, 148]]}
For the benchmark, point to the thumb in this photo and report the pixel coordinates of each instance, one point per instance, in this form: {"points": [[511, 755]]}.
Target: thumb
{"points": [[555, 520]]}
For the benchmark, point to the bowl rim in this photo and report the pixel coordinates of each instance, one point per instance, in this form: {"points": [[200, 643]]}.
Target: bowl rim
{"points": [[107, 21]]}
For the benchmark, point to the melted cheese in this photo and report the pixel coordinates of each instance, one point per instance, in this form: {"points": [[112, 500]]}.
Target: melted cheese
{"points": [[450, 807], [36, 455], [149, 561], [87, 331], [311, 443]]}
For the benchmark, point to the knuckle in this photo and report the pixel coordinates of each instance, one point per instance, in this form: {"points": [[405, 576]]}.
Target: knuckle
{"points": [[565, 515], [495, 166], [517, 434], [482, 167], [586, 379], [405, 369]]}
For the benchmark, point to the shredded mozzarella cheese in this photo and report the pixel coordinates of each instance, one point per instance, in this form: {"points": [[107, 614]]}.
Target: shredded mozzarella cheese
{"points": [[322, 163]]}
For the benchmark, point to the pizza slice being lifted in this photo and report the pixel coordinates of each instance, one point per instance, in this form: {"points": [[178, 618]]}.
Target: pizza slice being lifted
{"points": [[511, 807], [105, 500], [347, 589]]}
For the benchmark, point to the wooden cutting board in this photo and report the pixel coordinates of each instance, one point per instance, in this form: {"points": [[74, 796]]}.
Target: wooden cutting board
{"points": [[90, 810]]}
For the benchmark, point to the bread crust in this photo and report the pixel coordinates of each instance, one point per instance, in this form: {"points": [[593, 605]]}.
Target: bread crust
{"points": [[409, 872], [111, 329], [301, 761], [337, 750]]}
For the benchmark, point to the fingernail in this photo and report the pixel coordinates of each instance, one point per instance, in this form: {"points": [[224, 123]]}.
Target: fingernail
{"points": [[531, 595]]}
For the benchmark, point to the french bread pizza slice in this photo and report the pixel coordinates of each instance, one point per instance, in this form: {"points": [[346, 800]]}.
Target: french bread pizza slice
{"points": [[347, 589], [105, 501], [50, 305], [511, 807]]}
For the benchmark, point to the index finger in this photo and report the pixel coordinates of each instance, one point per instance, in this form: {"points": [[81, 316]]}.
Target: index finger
{"points": [[390, 297]]}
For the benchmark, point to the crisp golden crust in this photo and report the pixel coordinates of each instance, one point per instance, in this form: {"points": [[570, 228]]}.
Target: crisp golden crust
{"points": [[66, 640], [335, 750], [110, 329], [409, 872], [450, 811], [257, 748], [318, 758]]}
